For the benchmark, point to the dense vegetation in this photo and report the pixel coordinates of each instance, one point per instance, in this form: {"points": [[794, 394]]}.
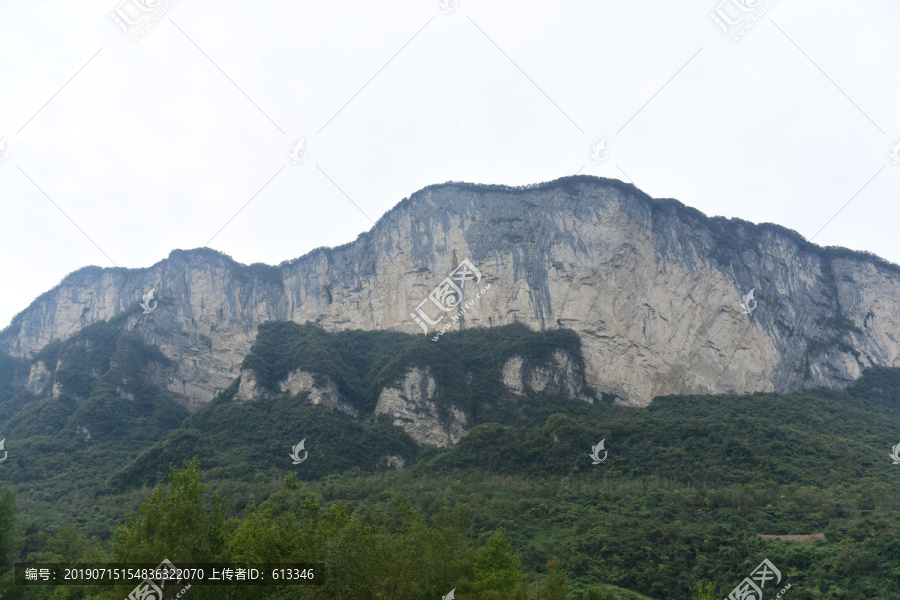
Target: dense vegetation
{"points": [[104, 413], [242, 440], [466, 366], [514, 510]]}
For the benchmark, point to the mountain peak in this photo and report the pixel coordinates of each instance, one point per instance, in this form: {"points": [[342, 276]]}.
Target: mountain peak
{"points": [[655, 290]]}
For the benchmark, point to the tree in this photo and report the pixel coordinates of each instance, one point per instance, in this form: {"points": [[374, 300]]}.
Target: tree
{"points": [[179, 523], [175, 522], [594, 594], [496, 568], [706, 591], [554, 585]]}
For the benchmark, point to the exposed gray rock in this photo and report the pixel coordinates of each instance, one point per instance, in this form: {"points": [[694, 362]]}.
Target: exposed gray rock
{"points": [[302, 381], [297, 382], [561, 376], [249, 388], [393, 462], [411, 406], [83, 429], [40, 379], [652, 287]]}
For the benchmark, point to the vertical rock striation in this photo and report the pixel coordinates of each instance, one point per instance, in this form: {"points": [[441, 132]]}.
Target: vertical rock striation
{"points": [[652, 287]]}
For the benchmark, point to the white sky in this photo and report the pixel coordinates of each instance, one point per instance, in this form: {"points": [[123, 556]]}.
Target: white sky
{"points": [[153, 145]]}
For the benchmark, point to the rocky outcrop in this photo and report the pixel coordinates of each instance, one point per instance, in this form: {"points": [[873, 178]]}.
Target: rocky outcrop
{"points": [[392, 461], [410, 403], [653, 289], [297, 382], [82, 429], [302, 381], [40, 379], [249, 388], [559, 376]]}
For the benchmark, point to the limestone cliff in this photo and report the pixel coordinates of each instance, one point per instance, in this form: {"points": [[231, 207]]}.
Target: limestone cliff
{"points": [[652, 287], [297, 382], [410, 403], [560, 377], [416, 402]]}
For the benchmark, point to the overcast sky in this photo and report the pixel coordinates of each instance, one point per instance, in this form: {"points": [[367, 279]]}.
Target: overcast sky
{"points": [[121, 147]]}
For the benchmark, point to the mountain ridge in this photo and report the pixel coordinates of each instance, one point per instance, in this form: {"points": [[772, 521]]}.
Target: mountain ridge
{"points": [[598, 256]]}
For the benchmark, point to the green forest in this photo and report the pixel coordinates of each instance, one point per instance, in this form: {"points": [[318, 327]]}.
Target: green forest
{"points": [[113, 469]]}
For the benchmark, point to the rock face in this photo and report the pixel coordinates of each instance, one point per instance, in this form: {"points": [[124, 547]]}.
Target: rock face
{"points": [[297, 382], [652, 287], [561, 377], [410, 403], [40, 379], [391, 461], [415, 403]]}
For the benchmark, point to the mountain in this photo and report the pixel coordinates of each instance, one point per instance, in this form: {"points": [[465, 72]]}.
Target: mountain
{"points": [[369, 400], [652, 288], [690, 489]]}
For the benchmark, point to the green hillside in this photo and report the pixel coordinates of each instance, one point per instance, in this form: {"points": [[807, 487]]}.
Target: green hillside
{"points": [[467, 365], [515, 510], [251, 440]]}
